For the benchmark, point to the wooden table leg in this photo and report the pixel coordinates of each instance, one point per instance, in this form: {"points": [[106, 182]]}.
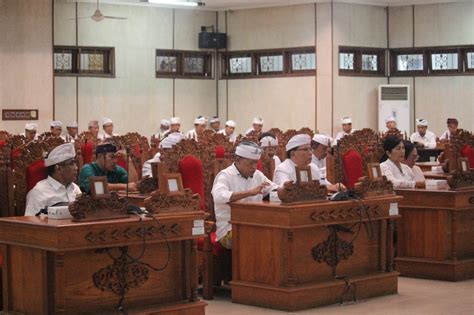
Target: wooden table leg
{"points": [[389, 245]]}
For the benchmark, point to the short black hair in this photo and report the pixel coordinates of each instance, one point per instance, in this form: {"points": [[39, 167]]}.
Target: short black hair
{"points": [[408, 148], [51, 169], [288, 153], [390, 143]]}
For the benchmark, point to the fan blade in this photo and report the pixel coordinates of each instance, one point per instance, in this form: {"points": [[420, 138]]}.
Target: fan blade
{"points": [[115, 17]]}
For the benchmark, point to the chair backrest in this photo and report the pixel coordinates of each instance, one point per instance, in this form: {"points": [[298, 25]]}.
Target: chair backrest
{"points": [[460, 144], [27, 168], [266, 164], [139, 150], [355, 151], [192, 174]]}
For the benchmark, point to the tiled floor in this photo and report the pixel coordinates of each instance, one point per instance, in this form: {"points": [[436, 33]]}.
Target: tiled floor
{"points": [[414, 296]]}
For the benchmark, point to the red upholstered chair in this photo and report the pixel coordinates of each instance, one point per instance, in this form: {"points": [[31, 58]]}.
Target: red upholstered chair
{"points": [[36, 172], [87, 151], [192, 174], [353, 168], [220, 152], [468, 152]]}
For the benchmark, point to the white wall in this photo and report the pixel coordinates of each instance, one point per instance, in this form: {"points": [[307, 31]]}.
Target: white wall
{"points": [[437, 98], [283, 102], [26, 79], [135, 100]]}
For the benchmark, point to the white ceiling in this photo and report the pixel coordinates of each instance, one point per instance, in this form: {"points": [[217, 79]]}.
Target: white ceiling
{"points": [[220, 5]]}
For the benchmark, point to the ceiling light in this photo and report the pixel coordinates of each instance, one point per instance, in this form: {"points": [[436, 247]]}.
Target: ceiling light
{"points": [[177, 2]]}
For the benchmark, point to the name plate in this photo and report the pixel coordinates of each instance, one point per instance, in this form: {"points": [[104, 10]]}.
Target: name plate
{"points": [[393, 209]]}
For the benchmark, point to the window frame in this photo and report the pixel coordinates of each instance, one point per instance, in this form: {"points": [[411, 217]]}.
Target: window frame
{"points": [[256, 66], [394, 53], [109, 61], [464, 53], [358, 52], [432, 51], [180, 55]]}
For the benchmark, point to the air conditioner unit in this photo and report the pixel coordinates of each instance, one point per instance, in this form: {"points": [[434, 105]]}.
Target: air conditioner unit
{"points": [[394, 100]]}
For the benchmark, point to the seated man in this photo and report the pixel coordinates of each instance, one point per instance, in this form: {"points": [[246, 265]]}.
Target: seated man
{"points": [[257, 126], [106, 165], [240, 181], [167, 143], [199, 127], [93, 128], [452, 129], [58, 186], [298, 153], [269, 142], [346, 123], [30, 132], [423, 138], [390, 123], [215, 124], [320, 145], [175, 124], [108, 127], [229, 130], [164, 127], [56, 128], [72, 132]]}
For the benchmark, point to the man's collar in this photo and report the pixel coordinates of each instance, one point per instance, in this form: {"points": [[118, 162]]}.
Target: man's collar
{"points": [[54, 183]]}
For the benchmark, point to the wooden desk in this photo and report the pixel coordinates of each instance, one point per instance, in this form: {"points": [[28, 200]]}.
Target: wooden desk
{"points": [[58, 267], [273, 248], [436, 234], [426, 166], [135, 198], [431, 175]]}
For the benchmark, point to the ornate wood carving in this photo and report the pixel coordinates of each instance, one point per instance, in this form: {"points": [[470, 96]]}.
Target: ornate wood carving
{"points": [[366, 142], [161, 202], [147, 185], [334, 249], [123, 275], [392, 132], [306, 130], [305, 192], [461, 180], [85, 208], [345, 213], [367, 188]]}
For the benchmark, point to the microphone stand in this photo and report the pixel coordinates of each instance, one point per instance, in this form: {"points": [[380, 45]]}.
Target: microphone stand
{"points": [[127, 150]]}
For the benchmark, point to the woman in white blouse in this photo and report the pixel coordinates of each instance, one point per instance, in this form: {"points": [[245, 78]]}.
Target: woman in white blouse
{"points": [[411, 156], [393, 168]]}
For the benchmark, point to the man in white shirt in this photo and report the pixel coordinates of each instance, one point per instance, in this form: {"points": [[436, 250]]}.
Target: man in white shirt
{"points": [[346, 128], [30, 132], [164, 127], [452, 128], [269, 143], [298, 153], [320, 145], [108, 127], [215, 124], [72, 130], [199, 127], [390, 123], [58, 186], [175, 124], [56, 128], [423, 138], [257, 125], [240, 181], [229, 130], [166, 143]]}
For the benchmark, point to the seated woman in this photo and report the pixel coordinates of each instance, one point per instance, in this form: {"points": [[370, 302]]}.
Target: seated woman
{"points": [[398, 173], [411, 156]]}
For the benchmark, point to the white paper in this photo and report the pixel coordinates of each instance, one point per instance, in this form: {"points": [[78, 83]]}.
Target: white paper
{"points": [[198, 230], [393, 208], [198, 223]]}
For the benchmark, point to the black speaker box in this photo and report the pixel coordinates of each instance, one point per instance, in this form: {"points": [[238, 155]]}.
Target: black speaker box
{"points": [[212, 40]]}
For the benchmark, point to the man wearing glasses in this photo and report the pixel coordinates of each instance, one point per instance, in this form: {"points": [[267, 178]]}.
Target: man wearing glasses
{"points": [[106, 165], [58, 187], [299, 153]]}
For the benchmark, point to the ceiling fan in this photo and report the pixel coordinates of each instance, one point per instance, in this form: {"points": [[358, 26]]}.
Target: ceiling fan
{"points": [[98, 16]]}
